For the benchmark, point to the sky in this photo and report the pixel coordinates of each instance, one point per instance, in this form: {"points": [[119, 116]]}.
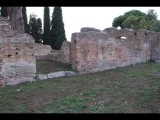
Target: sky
{"points": [[74, 18]]}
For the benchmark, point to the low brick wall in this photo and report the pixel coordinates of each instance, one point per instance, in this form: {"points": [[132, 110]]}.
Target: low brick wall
{"points": [[44, 52], [41, 49]]}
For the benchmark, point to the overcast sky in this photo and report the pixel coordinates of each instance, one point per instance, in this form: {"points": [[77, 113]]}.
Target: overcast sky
{"points": [[75, 18]]}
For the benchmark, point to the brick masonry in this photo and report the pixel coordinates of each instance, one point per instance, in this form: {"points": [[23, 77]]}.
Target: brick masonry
{"points": [[90, 50], [95, 50], [17, 59]]}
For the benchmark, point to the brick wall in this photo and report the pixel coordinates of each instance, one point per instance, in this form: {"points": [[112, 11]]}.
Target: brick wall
{"points": [[17, 59]]}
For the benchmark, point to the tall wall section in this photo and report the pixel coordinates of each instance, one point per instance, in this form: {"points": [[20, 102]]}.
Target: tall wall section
{"points": [[94, 50], [17, 59], [155, 47]]}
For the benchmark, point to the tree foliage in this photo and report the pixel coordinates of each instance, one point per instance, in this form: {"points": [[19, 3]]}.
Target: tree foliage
{"points": [[4, 12], [35, 28], [153, 13], [157, 26], [118, 21], [136, 19], [46, 34], [140, 22], [57, 29]]}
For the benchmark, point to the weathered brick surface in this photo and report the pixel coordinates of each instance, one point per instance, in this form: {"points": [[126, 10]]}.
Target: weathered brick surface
{"points": [[17, 59], [42, 57], [54, 51], [41, 49], [155, 49], [94, 50], [64, 54], [90, 50]]}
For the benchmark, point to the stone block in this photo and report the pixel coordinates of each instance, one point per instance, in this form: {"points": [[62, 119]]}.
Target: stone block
{"points": [[70, 73], [42, 77], [157, 61], [56, 74]]}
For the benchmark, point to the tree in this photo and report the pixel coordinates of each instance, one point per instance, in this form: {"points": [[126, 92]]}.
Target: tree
{"points": [[46, 34], [153, 13], [134, 19], [118, 21], [35, 28], [24, 13], [157, 26], [4, 12], [39, 30], [16, 18], [140, 22], [57, 29]]}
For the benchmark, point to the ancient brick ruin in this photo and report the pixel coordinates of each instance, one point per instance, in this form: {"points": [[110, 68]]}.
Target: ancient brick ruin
{"points": [[64, 55], [46, 53], [17, 59], [41, 49], [90, 50], [94, 50]]}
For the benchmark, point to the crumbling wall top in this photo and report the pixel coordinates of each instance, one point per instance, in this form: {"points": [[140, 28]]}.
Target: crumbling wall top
{"points": [[86, 29]]}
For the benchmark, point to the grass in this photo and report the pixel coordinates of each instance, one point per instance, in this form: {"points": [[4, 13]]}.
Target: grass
{"points": [[132, 89], [45, 67]]}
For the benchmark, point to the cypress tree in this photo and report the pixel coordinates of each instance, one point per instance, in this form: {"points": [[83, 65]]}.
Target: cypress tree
{"points": [[24, 13], [46, 34], [57, 29], [4, 12], [35, 28], [39, 30]]}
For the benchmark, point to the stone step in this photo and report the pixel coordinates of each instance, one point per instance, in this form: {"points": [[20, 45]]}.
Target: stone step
{"points": [[55, 75], [157, 61]]}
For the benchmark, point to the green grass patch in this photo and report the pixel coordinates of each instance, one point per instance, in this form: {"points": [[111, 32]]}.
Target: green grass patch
{"points": [[45, 67], [132, 89]]}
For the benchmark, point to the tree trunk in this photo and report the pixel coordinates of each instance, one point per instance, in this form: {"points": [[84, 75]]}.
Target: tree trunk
{"points": [[16, 18]]}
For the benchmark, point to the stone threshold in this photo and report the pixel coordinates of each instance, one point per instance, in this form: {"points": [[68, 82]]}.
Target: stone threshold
{"points": [[157, 61], [55, 75]]}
